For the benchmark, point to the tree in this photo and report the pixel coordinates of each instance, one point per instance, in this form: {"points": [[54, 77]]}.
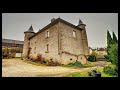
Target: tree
{"points": [[109, 39], [92, 57], [113, 54], [112, 51], [114, 38], [94, 53]]}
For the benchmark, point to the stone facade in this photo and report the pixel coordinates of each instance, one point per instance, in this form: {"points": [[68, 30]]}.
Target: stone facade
{"points": [[40, 42], [60, 40]]}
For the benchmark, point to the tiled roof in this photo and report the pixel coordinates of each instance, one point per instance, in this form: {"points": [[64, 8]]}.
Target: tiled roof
{"points": [[12, 41], [90, 48], [101, 49], [30, 29], [80, 22]]}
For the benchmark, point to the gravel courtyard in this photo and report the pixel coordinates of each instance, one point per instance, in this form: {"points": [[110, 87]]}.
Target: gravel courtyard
{"points": [[19, 68]]}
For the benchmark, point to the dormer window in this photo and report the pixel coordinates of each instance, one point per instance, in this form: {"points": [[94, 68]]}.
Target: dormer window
{"points": [[47, 34], [74, 33]]}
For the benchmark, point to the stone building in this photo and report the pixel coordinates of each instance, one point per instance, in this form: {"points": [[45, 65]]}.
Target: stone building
{"points": [[59, 40], [11, 48], [12, 43], [102, 51], [90, 50]]}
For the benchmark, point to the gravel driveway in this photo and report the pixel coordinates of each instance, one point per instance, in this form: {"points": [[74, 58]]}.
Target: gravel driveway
{"points": [[19, 68]]}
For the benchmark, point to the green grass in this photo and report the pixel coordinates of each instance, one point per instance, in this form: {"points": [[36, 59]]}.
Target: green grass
{"points": [[104, 74], [74, 64], [108, 63], [89, 64], [33, 63], [77, 74], [17, 58], [85, 74]]}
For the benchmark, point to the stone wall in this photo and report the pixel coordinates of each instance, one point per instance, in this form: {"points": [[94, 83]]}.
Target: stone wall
{"points": [[26, 44], [60, 41], [68, 58], [68, 42], [72, 47], [40, 42]]}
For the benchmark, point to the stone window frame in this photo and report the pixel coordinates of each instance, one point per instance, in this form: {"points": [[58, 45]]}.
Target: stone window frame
{"points": [[47, 48], [35, 50], [74, 33], [47, 34]]}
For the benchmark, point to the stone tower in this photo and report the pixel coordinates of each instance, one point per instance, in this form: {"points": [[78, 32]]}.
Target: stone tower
{"points": [[30, 32], [84, 38]]}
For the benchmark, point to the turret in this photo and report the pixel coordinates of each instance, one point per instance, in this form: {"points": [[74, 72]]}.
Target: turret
{"points": [[84, 37], [30, 32]]}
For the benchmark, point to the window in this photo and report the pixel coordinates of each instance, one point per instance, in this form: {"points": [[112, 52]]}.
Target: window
{"points": [[74, 33], [35, 50], [47, 47], [47, 34]]}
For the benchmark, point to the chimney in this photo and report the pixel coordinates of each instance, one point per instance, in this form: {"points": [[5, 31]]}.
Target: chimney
{"points": [[52, 19]]}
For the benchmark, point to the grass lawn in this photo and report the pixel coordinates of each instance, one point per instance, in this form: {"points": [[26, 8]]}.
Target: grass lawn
{"points": [[89, 64], [17, 58], [85, 74], [34, 63], [77, 74]]}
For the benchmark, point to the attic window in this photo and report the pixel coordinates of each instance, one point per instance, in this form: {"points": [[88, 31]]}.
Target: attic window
{"points": [[74, 33]]}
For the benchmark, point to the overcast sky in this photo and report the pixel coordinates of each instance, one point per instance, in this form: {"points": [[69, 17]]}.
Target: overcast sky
{"points": [[97, 24]]}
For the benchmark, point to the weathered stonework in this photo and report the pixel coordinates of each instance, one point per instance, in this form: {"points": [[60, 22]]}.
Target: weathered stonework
{"points": [[26, 44], [62, 46]]}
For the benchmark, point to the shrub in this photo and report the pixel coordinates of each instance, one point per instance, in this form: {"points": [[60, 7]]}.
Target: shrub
{"points": [[92, 58], [43, 61], [34, 58], [94, 53], [46, 60], [106, 56], [39, 57], [113, 54], [111, 70], [77, 63], [94, 73]]}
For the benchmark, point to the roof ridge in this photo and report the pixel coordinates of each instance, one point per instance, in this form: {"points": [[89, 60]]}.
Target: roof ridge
{"points": [[54, 22]]}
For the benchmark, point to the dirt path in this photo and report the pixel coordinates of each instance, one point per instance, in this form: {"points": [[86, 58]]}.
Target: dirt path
{"points": [[101, 63], [19, 68]]}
